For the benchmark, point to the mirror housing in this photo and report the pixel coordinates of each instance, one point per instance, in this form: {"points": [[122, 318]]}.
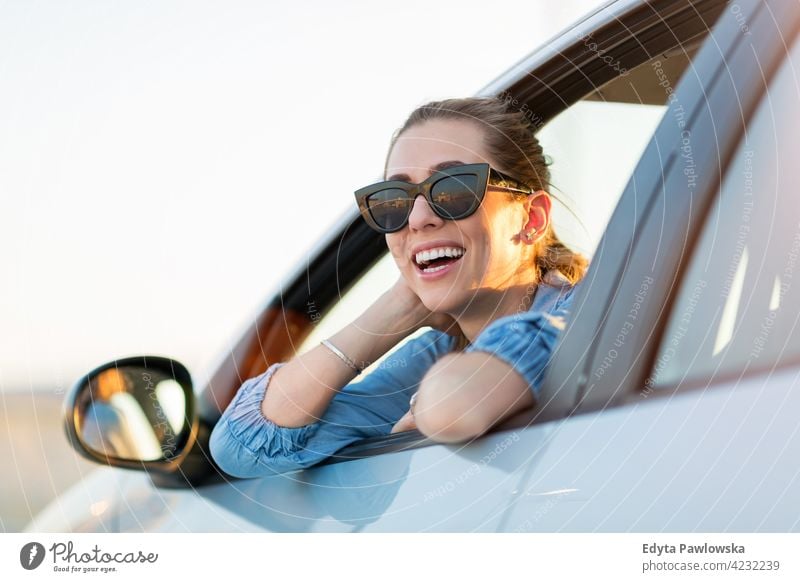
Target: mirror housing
{"points": [[136, 413]]}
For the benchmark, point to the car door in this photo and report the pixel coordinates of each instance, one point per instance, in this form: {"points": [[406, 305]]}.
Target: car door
{"points": [[687, 382]]}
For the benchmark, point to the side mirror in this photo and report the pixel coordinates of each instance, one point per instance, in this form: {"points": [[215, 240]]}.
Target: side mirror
{"points": [[137, 413]]}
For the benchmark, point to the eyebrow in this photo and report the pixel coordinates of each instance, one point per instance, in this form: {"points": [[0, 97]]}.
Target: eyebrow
{"points": [[439, 166]]}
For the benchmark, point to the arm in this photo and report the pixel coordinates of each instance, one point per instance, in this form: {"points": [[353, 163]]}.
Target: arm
{"points": [[464, 395], [246, 444], [308, 413], [301, 390]]}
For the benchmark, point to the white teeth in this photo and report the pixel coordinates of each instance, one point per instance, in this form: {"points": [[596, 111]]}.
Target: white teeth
{"points": [[433, 269], [431, 254]]}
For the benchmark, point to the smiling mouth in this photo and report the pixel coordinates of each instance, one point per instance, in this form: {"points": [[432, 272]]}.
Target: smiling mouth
{"points": [[434, 260]]}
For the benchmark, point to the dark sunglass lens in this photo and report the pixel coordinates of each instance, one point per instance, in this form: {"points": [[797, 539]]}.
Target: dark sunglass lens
{"points": [[389, 208], [457, 196]]}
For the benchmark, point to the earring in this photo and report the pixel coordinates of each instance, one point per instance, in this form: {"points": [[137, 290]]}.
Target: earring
{"points": [[530, 234]]}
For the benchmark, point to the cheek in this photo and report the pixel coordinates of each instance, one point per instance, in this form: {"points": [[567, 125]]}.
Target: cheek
{"points": [[488, 235], [396, 248], [476, 234]]}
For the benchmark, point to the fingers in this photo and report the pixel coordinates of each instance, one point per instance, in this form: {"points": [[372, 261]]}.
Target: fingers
{"points": [[405, 423]]}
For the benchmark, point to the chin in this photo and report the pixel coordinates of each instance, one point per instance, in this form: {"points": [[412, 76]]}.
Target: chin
{"points": [[441, 302]]}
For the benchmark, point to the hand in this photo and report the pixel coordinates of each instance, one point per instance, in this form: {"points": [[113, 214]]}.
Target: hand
{"points": [[403, 298], [405, 423]]}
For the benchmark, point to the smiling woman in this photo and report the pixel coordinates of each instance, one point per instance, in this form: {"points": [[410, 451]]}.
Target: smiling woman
{"points": [[466, 215]]}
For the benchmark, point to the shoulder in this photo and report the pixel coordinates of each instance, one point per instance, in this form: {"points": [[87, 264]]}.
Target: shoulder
{"points": [[546, 314], [526, 339], [554, 294]]}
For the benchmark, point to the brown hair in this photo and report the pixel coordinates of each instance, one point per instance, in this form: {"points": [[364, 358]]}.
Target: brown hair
{"points": [[511, 143]]}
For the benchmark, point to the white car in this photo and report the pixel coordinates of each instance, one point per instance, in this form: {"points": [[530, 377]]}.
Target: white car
{"points": [[672, 401]]}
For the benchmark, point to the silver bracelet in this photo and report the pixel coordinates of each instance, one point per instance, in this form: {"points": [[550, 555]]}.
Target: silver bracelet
{"points": [[341, 355]]}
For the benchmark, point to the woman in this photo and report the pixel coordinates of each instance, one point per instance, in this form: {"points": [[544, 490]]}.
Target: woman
{"points": [[466, 215]]}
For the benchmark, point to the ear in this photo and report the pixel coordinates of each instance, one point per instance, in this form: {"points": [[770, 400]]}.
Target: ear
{"points": [[537, 207]]}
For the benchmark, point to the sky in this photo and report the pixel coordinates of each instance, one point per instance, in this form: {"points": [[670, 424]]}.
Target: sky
{"points": [[164, 164]]}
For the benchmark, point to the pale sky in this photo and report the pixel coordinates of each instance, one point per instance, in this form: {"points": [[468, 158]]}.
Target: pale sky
{"points": [[163, 164]]}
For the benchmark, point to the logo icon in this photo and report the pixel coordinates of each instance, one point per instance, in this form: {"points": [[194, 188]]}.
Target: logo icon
{"points": [[31, 555]]}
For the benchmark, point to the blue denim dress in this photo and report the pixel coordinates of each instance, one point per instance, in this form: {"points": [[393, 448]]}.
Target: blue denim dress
{"points": [[246, 444]]}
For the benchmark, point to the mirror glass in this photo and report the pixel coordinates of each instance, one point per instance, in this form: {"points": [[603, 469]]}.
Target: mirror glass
{"points": [[133, 413]]}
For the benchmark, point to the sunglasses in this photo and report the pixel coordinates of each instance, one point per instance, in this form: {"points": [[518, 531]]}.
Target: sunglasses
{"points": [[453, 193]]}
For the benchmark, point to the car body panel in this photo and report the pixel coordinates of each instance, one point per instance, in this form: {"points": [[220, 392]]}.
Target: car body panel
{"points": [[652, 466]]}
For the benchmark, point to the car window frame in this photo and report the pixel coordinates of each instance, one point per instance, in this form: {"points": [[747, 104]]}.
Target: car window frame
{"points": [[548, 81]]}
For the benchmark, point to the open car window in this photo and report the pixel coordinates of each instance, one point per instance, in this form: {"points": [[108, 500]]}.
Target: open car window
{"points": [[594, 146]]}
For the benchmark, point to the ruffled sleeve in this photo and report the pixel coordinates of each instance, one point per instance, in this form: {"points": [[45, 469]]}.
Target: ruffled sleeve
{"points": [[525, 340], [244, 443], [244, 438]]}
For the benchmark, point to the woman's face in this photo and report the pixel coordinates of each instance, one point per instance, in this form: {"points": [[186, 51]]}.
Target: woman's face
{"points": [[490, 239]]}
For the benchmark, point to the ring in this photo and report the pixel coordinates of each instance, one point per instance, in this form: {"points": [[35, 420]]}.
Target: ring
{"points": [[412, 402]]}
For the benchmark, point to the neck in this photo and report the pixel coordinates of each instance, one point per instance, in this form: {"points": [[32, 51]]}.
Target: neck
{"points": [[489, 305]]}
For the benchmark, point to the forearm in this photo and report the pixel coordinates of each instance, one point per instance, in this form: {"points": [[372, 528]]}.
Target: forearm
{"points": [[300, 391], [499, 375], [465, 394]]}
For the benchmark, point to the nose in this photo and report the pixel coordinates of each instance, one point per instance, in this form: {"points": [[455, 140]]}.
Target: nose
{"points": [[422, 215]]}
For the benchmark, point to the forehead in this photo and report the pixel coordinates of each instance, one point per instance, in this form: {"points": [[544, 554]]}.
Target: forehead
{"points": [[427, 144]]}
